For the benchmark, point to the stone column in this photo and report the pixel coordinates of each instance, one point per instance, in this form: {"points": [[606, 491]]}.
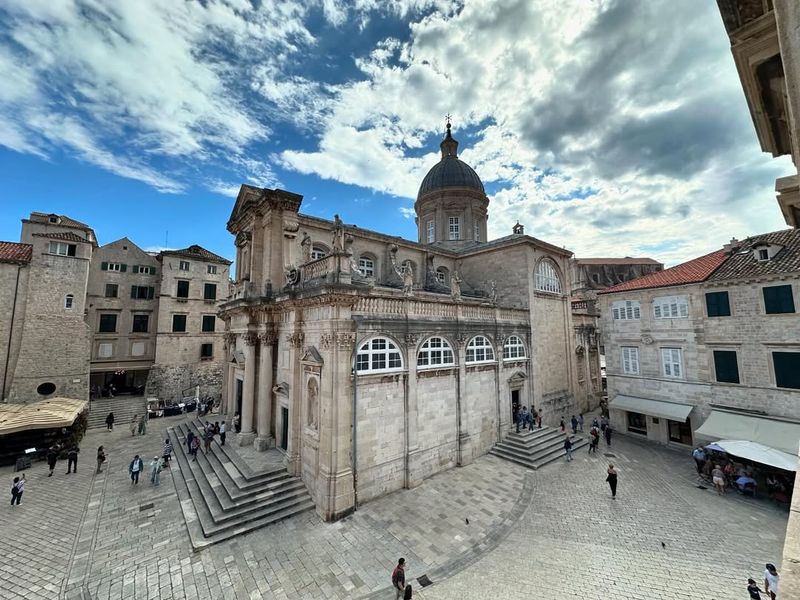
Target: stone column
{"points": [[295, 341], [264, 413], [413, 472], [247, 435], [464, 442]]}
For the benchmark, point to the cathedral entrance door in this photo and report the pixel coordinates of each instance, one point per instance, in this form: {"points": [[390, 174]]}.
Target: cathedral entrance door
{"points": [[284, 428], [514, 401], [239, 394]]}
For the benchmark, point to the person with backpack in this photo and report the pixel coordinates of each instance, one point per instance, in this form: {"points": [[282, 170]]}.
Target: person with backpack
{"points": [[155, 470], [52, 458], [136, 467], [72, 459], [399, 578], [16, 489]]}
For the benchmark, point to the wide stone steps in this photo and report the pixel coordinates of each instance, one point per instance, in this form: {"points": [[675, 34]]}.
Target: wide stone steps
{"points": [[535, 449], [123, 407], [219, 501]]}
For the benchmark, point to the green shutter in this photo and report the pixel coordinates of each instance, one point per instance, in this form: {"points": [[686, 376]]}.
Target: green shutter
{"points": [[133, 291], [150, 293], [153, 271], [124, 268], [104, 266]]}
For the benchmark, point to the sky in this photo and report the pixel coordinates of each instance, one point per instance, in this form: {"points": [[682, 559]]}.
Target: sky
{"points": [[612, 128]]}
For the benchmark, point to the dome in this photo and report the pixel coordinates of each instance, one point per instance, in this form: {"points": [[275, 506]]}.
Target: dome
{"points": [[450, 172]]}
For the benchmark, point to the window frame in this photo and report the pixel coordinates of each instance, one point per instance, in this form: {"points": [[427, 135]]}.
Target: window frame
{"points": [[184, 265], [721, 309], [213, 324], [435, 345], [103, 317], [546, 278], [783, 378], [717, 355], [669, 363], [138, 317], [431, 230], [116, 290], [178, 284], [677, 307], [476, 232], [114, 267], [69, 301], [630, 360], [318, 252], [144, 269], [137, 294], [211, 269], [366, 270], [105, 344], [69, 249], [178, 315], [454, 228], [203, 355], [207, 286], [473, 348], [620, 309], [367, 350], [771, 299], [517, 345]]}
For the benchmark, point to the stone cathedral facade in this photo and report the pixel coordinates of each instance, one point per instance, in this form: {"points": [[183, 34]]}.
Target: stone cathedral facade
{"points": [[374, 362]]}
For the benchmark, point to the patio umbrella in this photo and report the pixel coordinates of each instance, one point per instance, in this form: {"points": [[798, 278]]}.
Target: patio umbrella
{"points": [[715, 448], [759, 453]]}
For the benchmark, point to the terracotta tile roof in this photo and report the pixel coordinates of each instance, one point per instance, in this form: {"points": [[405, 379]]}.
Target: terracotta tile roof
{"points": [[13, 252], [617, 261], [197, 252], [63, 235], [693, 271], [64, 220], [743, 263]]}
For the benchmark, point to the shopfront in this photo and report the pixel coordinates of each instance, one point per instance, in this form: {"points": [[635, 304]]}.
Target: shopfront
{"points": [[655, 420]]}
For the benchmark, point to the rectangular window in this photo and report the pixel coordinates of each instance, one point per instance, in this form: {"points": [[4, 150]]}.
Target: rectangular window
{"points": [[142, 292], [626, 310], [671, 362], [144, 269], [671, 307], [366, 266], [209, 323], [209, 291], [112, 290], [140, 323], [179, 323], [718, 304], [206, 351], [431, 231], [476, 233], [117, 267], [105, 350], [62, 249], [211, 269], [778, 299], [630, 360], [455, 228], [138, 348], [787, 369], [726, 367], [184, 265], [637, 423], [108, 323], [183, 289]]}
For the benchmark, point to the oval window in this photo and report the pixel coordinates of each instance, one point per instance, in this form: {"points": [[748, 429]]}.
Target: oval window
{"points": [[45, 389]]}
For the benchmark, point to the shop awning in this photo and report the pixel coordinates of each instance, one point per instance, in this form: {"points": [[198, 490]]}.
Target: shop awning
{"points": [[46, 414], [655, 408], [759, 453], [773, 432]]}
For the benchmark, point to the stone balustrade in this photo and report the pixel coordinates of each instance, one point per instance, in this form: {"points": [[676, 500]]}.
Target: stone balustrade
{"points": [[435, 308]]}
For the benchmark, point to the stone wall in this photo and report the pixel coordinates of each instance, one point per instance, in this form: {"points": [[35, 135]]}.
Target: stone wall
{"points": [[12, 291], [167, 382]]}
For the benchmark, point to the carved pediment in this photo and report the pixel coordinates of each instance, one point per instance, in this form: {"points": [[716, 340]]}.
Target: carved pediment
{"points": [[518, 377], [281, 388], [238, 358], [311, 356]]}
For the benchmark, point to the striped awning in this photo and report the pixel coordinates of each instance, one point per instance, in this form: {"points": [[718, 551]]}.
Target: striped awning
{"points": [[45, 414]]}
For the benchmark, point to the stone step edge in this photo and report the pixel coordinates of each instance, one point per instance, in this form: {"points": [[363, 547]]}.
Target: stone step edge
{"points": [[534, 461], [534, 443], [241, 465], [559, 441]]}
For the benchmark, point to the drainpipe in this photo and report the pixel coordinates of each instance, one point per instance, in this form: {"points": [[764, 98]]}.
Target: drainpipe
{"points": [[10, 332], [354, 450]]}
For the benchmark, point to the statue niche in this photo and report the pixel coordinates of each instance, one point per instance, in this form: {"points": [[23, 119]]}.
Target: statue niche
{"points": [[312, 403]]}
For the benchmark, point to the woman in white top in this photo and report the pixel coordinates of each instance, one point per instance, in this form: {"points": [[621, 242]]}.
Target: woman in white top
{"points": [[771, 579]]}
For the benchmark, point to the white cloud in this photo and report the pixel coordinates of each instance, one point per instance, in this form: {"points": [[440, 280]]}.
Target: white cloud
{"points": [[408, 212]]}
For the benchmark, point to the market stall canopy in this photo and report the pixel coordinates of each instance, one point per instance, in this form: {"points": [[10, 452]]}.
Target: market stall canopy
{"points": [[655, 408], [773, 432], [46, 414], [759, 453]]}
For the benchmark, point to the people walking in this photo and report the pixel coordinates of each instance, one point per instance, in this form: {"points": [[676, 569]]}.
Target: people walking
{"points": [[222, 433], [539, 419], [101, 458], [136, 467], [155, 470], [134, 425], [16, 490], [72, 459], [718, 479], [608, 433], [753, 591], [399, 578], [189, 438], [595, 440], [143, 424], [563, 425], [580, 422], [52, 458], [574, 422], [237, 423], [195, 447], [771, 579], [167, 453], [208, 437], [699, 456], [568, 448], [611, 478], [595, 423], [110, 421]]}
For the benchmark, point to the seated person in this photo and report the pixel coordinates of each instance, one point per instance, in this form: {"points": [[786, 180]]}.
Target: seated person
{"points": [[746, 484]]}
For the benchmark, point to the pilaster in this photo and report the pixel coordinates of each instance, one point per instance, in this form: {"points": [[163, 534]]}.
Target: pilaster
{"points": [[247, 435]]}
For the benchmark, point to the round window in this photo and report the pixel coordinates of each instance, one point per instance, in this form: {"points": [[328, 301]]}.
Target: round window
{"points": [[45, 389]]}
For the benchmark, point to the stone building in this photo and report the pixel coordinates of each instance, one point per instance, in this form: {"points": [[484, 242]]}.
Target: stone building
{"points": [[122, 312], [374, 362], [709, 349], [766, 48], [46, 351], [188, 334]]}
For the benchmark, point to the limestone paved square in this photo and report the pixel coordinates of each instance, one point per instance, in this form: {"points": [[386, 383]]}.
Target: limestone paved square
{"points": [[552, 533]]}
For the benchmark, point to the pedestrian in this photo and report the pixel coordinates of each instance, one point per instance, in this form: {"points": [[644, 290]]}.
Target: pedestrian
{"points": [[110, 421], [514, 412], [189, 438], [167, 453], [72, 459], [222, 433], [608, 433], [574, 422], [523, 418], [595, 440], [568, 448], [136, 467], [603, 423], [216, 427], [408, 593], [699, 456], [195, 446], [237, 423], [134, 425], [563, 425], [612, 480], [52, 457], [595, 423], [16, 489], [207, 439], [101, 458], [399, 578], [771, 579], [539, 419], [530, 419], [753, 591], [718, 479], [143, 424], [580, 422], [155, 470]]}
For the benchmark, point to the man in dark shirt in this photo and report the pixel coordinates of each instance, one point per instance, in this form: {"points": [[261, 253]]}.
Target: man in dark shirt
{"points": [[399, 578]]}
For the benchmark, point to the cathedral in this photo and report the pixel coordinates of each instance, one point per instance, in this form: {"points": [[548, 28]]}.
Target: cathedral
{"points": [[373, 362]]}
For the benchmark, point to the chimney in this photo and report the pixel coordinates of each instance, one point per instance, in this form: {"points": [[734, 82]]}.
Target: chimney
{"points": [[731, 246], [518, 229]]}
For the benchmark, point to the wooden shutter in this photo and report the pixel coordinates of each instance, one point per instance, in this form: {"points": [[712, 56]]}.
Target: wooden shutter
{"points": [[123, 268], [133, 291], [150, 293], [104, 266]]}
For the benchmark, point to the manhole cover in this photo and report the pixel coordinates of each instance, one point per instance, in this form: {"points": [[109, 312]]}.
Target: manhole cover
{"points": [[702, 487], [143, 507], [424, 581], [609, 455]]}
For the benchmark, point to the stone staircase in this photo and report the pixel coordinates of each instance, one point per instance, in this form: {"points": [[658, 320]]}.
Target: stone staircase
{"points": [[221, 496], [534, 449], [123, 407]]}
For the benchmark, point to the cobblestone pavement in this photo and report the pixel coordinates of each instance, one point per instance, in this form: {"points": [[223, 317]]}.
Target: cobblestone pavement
{"points": [[552, 533]]}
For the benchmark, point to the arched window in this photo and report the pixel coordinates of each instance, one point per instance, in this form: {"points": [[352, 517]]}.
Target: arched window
{"points": [[435, 352], [513, 349], [442, 275], [378, 355], [479, 350], [547, 278], [69, 299], [366, 264], [318, 251]]}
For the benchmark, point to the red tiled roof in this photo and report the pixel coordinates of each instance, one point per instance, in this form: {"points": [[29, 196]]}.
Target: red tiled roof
{"points": [[617, 261], [63, 235], [693, 271], [64, 220], [198, 252], [15, 253]]}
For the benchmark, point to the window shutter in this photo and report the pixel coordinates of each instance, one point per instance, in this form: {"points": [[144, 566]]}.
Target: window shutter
{"points": [[104, 266], [626, 361], [123, 268], [150, 293], [657, 311], [133, 291], [152, 270]]}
